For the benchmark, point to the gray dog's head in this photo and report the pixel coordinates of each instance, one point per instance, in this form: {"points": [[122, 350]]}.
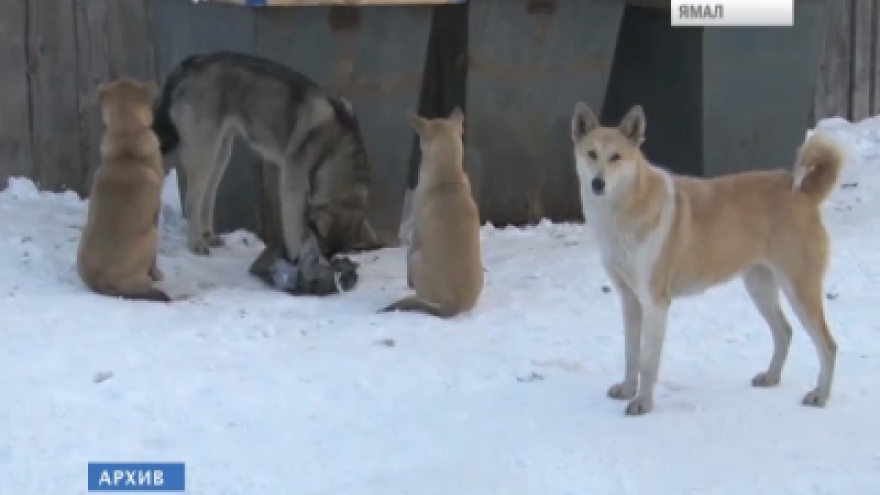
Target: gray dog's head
{"points": [[342, 226]]}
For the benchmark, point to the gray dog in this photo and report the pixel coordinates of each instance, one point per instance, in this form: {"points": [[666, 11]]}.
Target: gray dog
{"points": [[309, 133]]}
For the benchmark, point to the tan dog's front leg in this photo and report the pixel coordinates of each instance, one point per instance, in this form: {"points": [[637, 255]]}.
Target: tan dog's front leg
{"points": [[412, 260], [654, 317], [632, 327], [412, 257], [156, 274]]}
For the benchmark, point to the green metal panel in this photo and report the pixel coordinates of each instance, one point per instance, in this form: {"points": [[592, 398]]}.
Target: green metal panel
{"points": [[758, 88], [529, 62], [718, 100], [660, 67]]}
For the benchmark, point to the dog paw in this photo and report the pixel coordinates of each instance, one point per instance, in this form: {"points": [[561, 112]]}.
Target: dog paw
{"points": [[199, 247], [639, 407], [623, 391], [815, 398], [345, 273], [765, 380], [214, 240]]}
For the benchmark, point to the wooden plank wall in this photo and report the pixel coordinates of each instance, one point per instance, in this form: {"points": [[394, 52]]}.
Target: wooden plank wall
{"points": [[53, 55], [848, 84]]}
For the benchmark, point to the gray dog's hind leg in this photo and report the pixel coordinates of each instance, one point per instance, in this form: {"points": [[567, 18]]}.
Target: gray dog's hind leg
{"points": [[293, 196], [196, 159], [221, 161]]}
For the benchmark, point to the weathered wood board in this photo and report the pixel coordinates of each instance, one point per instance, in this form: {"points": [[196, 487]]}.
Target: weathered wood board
{"points": [[15, 133], [113, 41], [53, 76]]}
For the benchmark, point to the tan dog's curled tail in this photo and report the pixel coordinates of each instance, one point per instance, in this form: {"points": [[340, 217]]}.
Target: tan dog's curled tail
{"points": [[413, 303], [820, 161]]}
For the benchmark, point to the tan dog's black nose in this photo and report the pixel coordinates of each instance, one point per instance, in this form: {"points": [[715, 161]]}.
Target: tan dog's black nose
{"points": [[598, 185]]}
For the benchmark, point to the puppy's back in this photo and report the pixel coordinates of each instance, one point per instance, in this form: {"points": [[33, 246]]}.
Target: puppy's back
{"points": [[449, 227], [117, 249]]}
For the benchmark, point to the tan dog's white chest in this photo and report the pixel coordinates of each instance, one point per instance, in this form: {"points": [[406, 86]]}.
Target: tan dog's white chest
{"points": [[624, 251]]}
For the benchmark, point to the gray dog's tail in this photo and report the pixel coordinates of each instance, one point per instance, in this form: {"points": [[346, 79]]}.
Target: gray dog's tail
{"points": [[163, 126]]}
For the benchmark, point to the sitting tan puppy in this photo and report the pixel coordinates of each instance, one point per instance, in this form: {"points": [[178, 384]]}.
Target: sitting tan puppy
{"points": [[444, 263], [117, 250]]}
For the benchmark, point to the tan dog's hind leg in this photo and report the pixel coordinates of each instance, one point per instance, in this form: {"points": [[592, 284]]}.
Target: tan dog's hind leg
{"points": [[138, 290], [293, 196], [221, 161], [145, 293], [804, 293], [196, 161], [764, 292], [632, 327]]}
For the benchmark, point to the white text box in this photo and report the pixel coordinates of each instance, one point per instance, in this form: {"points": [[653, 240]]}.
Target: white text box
{"points": [[742, 13]]}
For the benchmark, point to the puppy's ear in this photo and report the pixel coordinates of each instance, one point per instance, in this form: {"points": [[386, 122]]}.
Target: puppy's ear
{"points": [[583, 121], [420, 124], [633, 125]]}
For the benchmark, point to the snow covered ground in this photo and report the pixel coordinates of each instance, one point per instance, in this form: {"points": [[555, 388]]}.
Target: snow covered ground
{"points": [[264, 394]]}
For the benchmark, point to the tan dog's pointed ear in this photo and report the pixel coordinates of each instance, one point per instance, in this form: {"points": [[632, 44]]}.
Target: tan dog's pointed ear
{"points": [[583, 121], [633, 125], [419, 124]]}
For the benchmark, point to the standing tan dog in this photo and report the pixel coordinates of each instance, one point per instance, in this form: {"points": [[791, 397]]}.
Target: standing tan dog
{"points": [[117, 250], [663, 237], [444, 263]]}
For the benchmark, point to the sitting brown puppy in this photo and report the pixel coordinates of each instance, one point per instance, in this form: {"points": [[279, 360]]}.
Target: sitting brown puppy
{"points": [[117, 250]]}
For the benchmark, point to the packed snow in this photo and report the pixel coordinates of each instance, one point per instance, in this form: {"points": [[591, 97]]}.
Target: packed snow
{"points": [[261, 393]]}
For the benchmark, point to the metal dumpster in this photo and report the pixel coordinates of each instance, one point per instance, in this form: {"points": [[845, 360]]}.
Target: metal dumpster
{"points": [[717, 100]]}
